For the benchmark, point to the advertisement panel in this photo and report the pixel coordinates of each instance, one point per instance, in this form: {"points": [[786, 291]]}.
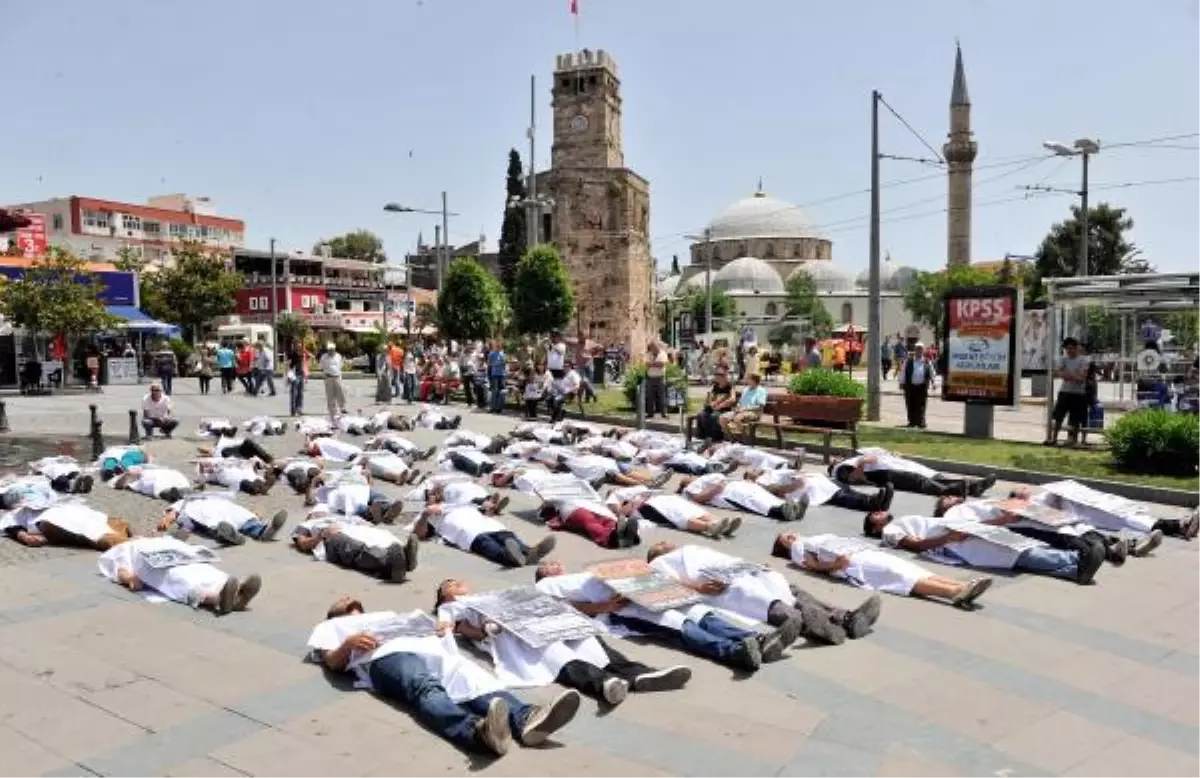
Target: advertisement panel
{"points": [[981, 326], [31, 240], [119, 288], [1033, 339]]}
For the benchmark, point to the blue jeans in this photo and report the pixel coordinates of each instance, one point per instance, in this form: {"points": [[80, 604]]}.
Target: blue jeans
{"points": [[374, 497], [264, 377], [166, 379], [296, 395], [409, 386], [490, 546], [397, 382], [253, 528], [1049, 561], [403, 677], [497, 385], [711, 636]]}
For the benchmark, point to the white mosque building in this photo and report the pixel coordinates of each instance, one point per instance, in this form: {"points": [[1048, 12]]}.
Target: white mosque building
{"points": [[759, 242]]}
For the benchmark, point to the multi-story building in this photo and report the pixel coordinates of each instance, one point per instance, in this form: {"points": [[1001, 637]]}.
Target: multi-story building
{"points": [[328, 293], [422, 264], [97, 229]]}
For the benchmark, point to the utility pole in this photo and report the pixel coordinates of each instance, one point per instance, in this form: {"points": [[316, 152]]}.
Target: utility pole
{"points": [[874, 318], [437, 256], [274, 297], [708, 322], [533, 227], [1082, 270], [444, 264]]}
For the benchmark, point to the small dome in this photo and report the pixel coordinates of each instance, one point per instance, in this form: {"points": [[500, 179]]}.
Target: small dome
{"points": [[694, 281], [748, 274], [887, 275], [760, 216], [904, 277], [669, 286], [825, 275]]}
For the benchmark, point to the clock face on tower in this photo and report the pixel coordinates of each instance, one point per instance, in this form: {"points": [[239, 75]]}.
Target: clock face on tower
{"points": [[579, 123]]}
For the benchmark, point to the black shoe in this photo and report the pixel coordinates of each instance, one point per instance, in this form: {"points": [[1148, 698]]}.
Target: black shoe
{"points": [[884, 497], [84, 484], [980, 487], [1089, 563], [395, 564], [172, 495], [749, 654], [1116, 553]]}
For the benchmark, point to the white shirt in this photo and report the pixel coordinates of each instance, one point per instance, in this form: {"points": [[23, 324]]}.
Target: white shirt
{"points": [[460, 525], [156, 409], [336, 450], [589, 467], [209, 511], [181, 583], [570, 382], [265, 359], [585, 587], [55, 467], [555, 355], [886, 460], [152, 481], [973, 551], [656, 365], [749, 594], [331, 364]]}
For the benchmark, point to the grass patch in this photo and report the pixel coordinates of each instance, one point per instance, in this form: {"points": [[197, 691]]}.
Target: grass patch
{"points": [[1070, 463]]}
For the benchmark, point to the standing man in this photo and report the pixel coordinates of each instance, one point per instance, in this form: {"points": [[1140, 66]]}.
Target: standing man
{"points": [[165, 367], [899, 354], [556, 355], [656, 383], [915, 376], [497, 365], [156, 412], [885, 356], [264, 367], [245, 367], [297, 376], [1071, 404], [395, 359], [331, 366], [225, 363]]}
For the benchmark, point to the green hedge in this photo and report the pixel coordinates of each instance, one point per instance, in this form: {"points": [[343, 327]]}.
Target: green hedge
{"points": [[1156, 441], [676, 377], [822, 382]]}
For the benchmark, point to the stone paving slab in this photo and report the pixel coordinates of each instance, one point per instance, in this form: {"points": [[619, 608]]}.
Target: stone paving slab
{"points": [[1046, 678]]}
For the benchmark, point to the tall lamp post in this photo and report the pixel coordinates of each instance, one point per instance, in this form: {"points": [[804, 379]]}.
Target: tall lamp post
{"points": [[1083, 148], [443, 251]]}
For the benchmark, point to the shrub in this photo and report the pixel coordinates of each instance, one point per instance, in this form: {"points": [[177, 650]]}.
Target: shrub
{"points": [[675, 378], [1156, 441], [827, 383]]}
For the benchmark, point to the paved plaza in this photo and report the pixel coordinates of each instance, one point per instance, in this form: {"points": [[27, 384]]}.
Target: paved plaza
{"points": [[1045, 678]]}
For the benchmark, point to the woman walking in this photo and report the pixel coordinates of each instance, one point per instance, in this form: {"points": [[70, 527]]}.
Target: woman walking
{"points": [[297, 357], [206, 360]]}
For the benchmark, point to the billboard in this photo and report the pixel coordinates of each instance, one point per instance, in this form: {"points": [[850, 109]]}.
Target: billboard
{"points": [[980, 332], [1033, 339], [119, 288], [31, 240]]}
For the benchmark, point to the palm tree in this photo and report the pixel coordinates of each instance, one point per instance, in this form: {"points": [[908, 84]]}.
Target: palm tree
{"points": [[289, 328]]}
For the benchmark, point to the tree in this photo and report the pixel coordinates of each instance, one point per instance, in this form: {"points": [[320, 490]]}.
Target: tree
{"points": [[357, 244], [426, 316], [1006, 275], [542, 300], [56, 295], [674, 264], [290, 328], [1184, 327], [370, 342], [471, 304], [925, 297], [1109, 253], [513, 234], [802, 301], [723, 307], [195, 289]]}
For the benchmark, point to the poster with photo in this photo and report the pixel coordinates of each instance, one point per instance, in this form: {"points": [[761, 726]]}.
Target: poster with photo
{"points": [[980, 333], [533, 617], [174, 557], [637, 582], [416, 625], [1034, 328], [727, 573]]}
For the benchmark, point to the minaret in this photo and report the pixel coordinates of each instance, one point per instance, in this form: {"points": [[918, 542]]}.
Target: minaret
{"points": [[960, 151]]}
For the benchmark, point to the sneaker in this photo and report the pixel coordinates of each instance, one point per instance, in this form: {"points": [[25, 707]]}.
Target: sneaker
{"points": [[615, 690], [393, 512], [749, 654], [172, 495], [794, 510], [884, 497], [817, 626], [732, 525], [790, 630], [84, 484], [1190, 527], [1089, 564], [228, 534], [596, 483], [629, 532], [660, 480], [395, 564], [718, 467], [375, 512], [972, 592], [410, 476], [859, 621], [545, 720], [455, 422], [501, 504], [667, 679], [515, 554], [492, 730], [1147, 543], [716, 528], [981, 486], [1115, 553], [246, 592], [277, 522], [412, 547], [541, 550], [227, 596], [427, 453], [179, 533]]}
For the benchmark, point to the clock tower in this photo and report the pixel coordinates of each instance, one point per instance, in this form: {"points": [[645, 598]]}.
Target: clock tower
{"points": [[600, 221]]}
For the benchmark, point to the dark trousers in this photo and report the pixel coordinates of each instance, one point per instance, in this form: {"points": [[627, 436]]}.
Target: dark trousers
{"points": [[404, 678], [226, 380], [886, 364], [656, 396], [481, 392], [166, 425], [851, 499], [468, 387], [711, 636], [300, 479], [247, 382], [916, 397], [1082, 544], [470, 466], [557, 405], [497, 385], [531, 405], [248, 450], [905, 481], [490, 546], [345, 551], [205, 381], [589, 679], [296, 394], [261, 377], [708, 425], [64, 483], [167, 381]]}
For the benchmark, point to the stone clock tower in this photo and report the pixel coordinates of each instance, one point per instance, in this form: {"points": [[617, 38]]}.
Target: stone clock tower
{"points": [[600, 221]]}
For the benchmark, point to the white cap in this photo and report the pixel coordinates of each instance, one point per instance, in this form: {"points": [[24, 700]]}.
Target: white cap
{"points": [[919, 344], [329, 346]]}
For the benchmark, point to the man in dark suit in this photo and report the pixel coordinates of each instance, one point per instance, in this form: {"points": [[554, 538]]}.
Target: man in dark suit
{"points": [[915, 377]]}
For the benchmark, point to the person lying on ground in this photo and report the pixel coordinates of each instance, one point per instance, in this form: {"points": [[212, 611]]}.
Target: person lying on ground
{"points": [[686, 462], [357, 424], [761, 594], [598, 470], [240, 447], [115, 460], [298, 471], [869, 567], [738, 494], [485, 443], [65, 473], [466, 493], [354, 544], [932, 538], [431, 418], [697, 629], [648, 439], [1109, 512], [314, 426], [878, 467], [820, 489], [158, 481], [199, 584], [751, 457], [218, 517], [464, 527], [398, 444], [70, 524], [522, 476], [393, 420], [592, 520], [263, 426], [386, 466], [546, 434], [534, 451], [350, 493], [471, 461], [18, 491], [331, 449], [450, 694], [620, 450], [1076, 536], [252, 476], [589, 665], [670, 510], [215, 427]]}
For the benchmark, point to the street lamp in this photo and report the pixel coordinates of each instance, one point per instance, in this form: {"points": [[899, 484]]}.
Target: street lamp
{"points": [[1083, 148], [444, 249]]}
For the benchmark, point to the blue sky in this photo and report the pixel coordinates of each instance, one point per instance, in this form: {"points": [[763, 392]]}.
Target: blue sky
{"points": [[303, 117]]}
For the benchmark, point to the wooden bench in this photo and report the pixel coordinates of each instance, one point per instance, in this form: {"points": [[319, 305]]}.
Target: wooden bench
{"points": [[817, 415]]}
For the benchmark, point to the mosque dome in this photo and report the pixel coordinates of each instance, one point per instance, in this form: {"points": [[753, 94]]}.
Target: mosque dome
{"points": [[748, 274], [825, 275], [694, 281], [760, 216], [887, 275]]}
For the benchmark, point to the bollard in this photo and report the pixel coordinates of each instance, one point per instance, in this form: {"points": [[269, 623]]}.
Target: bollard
{"points": [[383, 388], [95, 417], [4, 417], [641, 405], [134, 438], [97, 439]]}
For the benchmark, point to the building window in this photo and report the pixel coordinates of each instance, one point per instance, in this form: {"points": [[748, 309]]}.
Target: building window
{"points": [[152, 229], [254, 303], [56, 222], [769, 251], [130, 222], [98, 219], [798, 251], [772, 309], [341, 305], [847, 313], [177, 231]]}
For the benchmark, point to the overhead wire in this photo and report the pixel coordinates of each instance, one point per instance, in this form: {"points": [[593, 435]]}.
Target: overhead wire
{"points": [[936, 154]]}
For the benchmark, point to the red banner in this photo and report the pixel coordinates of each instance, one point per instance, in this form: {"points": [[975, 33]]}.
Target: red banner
{"points": [[31, 240]]}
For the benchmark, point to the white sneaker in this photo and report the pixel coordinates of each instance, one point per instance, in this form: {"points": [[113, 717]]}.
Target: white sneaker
{"points": [[615, 691]]}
